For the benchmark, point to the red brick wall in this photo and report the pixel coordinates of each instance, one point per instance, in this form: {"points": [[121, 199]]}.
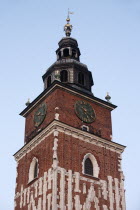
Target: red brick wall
{"points": [[71, 152], [43, 152], [29, 123], [65, 101]]}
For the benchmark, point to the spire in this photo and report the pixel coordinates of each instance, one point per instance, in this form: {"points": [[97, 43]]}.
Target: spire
{"points": [[68, 26]]}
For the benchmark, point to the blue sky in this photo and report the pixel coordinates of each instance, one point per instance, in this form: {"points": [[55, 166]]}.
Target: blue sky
{"points": [[108, 33]]}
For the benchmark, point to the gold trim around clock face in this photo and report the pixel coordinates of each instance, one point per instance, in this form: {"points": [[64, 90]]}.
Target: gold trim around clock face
{"points": [[40, 114], [85, 111]]}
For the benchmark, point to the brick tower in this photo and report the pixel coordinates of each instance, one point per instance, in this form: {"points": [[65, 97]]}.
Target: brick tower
{"points": [[69, 161]]}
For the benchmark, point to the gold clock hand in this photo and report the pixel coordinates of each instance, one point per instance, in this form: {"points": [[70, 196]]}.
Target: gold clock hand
{"points": [[84, 109]]}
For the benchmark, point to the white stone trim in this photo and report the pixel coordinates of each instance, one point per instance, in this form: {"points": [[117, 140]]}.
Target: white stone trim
{"points": [[49, 201], [68, 130], [54, 172], [122, 192], [68, 179], [85, 126], [117, 196], [104, 188], [105, 207], [77, 202], [69, 198], [56, 116], [44, 190], [96, 168], [92, 197], [62, 189], [110, 191], [77, 182]]}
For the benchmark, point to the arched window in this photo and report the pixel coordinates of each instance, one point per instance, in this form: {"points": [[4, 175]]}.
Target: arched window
{"points": [[66, 52], [64, 76], [90, 166], [81, 78], [49, 81], [33, 170]]}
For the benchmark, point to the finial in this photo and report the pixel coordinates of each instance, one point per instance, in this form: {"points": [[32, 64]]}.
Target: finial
{"points": [[68, 26], [108, 97], [28, 102]]}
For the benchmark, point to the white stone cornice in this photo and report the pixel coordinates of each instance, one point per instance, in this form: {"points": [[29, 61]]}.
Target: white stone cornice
{"points": [[68, 130]]}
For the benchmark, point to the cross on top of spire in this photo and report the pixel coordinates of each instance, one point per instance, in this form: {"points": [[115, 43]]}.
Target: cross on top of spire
{"points": [[68, 26]]}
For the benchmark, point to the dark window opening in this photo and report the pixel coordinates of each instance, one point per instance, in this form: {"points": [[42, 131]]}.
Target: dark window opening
{"points": [[88, 167], [49, 81], [73, 53], [59, 54], [36, 170], [81, 78], [66, 52], [64, 76]]}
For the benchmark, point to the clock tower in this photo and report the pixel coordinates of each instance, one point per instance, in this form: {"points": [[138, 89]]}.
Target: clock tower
{"points": [[69, 160]]}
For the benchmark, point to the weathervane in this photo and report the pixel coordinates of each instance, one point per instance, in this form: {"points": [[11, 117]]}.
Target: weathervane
{"points": [[68, 26]]}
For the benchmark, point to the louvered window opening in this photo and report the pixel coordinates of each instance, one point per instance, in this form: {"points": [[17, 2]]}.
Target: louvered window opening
{"points": [[49, 81], [81, 78], [64, 76], [88, 167], [66, 52]]}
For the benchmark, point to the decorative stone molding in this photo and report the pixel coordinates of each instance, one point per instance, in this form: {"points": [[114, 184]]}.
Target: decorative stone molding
{"points": [[92, 197], [42, 193], [110, 189], [54, 172], [62, 189], [69, 198], [117, 196], [56, 113], [104, 188], [122, 192], [68, 130]]}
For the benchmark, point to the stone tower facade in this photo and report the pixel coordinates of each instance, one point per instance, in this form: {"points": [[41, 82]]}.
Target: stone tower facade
{"points": [[69, 161]]}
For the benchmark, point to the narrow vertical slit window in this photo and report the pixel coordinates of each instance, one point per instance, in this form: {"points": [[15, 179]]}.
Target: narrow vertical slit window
{"points": [[81, 79], [74, 53], [49, 81], [66, 52], [59, 54]]}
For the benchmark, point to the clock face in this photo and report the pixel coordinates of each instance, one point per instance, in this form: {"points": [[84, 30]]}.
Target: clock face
{"points": [[40, 114], [85, 111]]}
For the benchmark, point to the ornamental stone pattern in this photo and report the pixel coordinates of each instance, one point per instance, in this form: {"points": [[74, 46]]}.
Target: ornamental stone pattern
{"points": [[61, 183]]}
